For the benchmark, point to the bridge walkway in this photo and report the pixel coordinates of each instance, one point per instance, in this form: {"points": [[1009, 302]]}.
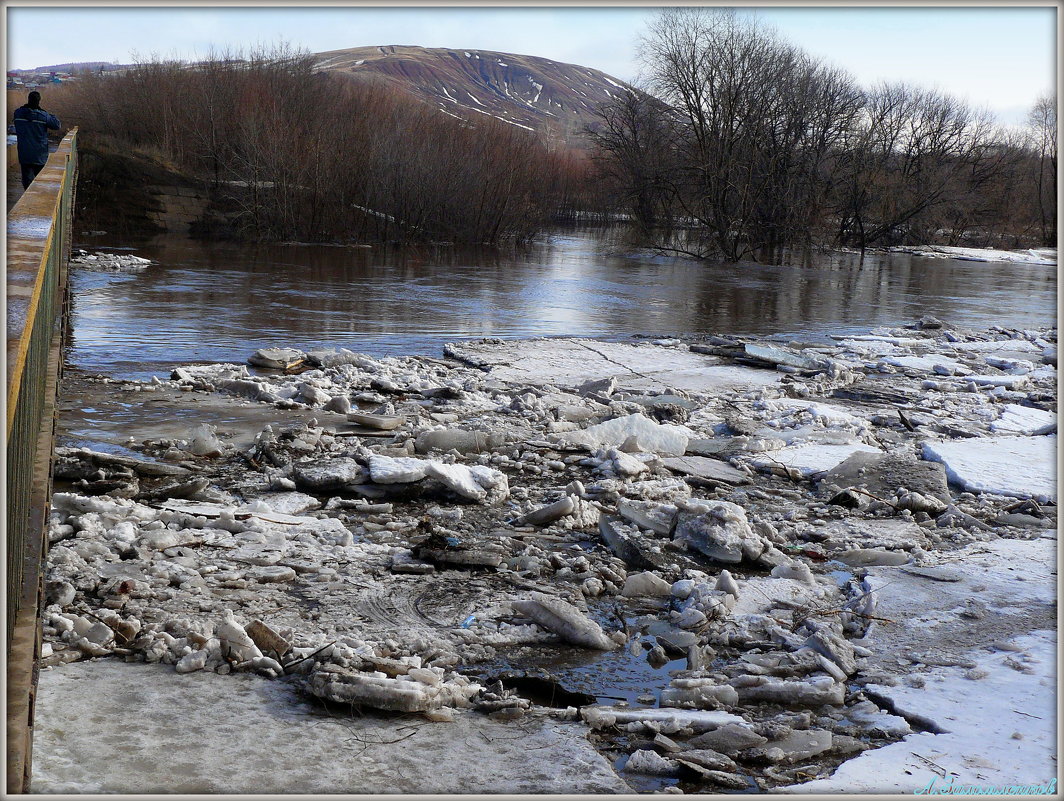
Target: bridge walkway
{"points": [[38, 251]]}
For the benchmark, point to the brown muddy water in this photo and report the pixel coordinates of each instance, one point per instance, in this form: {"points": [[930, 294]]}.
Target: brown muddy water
{"points": [[209, 302]]}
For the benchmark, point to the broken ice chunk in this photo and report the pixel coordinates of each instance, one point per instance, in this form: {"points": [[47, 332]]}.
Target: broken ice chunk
{"points": [[401, 470], [565, 620], [667, 440], [1019, 467], [721, 531], [277, 358]]}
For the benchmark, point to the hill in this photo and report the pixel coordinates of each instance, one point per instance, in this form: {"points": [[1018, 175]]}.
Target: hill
{"points": [[77, 66], [557, 99]]}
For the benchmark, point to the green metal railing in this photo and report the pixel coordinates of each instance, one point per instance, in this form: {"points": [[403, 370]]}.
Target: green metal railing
{"points": [[38, 250]]}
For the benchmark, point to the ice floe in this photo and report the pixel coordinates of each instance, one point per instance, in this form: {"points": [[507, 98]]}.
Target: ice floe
{"points": [[1019, 467]]}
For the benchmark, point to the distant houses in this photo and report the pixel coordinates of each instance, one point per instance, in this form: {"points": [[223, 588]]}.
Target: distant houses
{"points": [[30, 79]]}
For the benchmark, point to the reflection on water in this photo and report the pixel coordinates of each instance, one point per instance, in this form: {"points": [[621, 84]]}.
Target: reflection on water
{"points": [[221, 301]]}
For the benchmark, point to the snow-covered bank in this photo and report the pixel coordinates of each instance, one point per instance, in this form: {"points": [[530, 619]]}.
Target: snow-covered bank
{"points": [[740, 510], [1046, 256], [980, 643]]}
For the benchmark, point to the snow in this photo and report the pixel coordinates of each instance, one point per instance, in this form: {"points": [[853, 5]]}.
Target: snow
{"points": [[648, 762], [379, 214], [758, 595], [663, 439], [825, 414], [1014, 366], [259, 509], [401, 470], [1020, 467], [811, 458], [457, 477], [1007, 381], [979, 747], [1047, 257], [519, 125], [869, 348], [598, 717], [890, 340], [981, 714], [1016, 419]]}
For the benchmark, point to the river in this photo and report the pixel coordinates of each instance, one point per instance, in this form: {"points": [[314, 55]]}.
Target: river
{"points": [[212, 301], [216, 302]]}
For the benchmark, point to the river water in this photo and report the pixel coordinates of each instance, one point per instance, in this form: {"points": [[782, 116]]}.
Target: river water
{"points": [[208, 302]]}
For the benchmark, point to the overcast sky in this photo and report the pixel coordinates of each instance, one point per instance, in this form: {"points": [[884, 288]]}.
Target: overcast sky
{"points": [[1002, 58]]}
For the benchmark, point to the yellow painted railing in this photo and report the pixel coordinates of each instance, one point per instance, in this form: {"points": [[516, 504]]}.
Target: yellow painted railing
{"points": [[38, 250]]}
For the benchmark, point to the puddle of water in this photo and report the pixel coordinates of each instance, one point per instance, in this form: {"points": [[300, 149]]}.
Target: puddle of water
{"points": [[843, 575], [613, 677], [103, 417], [640, 782]]}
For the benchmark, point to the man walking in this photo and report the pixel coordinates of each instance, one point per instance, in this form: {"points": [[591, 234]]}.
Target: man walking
{"points": [[31, 125]]}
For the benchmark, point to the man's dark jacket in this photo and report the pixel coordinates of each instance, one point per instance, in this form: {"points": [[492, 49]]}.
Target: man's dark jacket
{"points": [[31, 125]]}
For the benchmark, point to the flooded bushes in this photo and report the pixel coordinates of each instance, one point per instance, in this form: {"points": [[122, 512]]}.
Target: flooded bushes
{"points": [[748, 144], [300, 155]]}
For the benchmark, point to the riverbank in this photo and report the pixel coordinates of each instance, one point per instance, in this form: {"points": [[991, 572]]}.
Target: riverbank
{"points": [[720, 562]]}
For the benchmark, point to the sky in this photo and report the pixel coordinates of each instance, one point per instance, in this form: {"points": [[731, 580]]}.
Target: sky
{"points": [[1001, 58]]}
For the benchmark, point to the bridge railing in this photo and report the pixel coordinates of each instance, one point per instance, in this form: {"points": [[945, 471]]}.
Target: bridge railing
{"points": [[38, 250]]}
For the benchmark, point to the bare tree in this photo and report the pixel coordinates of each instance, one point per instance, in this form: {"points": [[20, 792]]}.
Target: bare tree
{"points": [[758, 120], [636, 139], [1042, 124], [760, 146], [300, 154], [903, 159]]}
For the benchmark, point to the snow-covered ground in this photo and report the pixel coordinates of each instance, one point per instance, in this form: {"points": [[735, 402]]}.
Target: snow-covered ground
{"points": [[570, 363], [971, 652]]}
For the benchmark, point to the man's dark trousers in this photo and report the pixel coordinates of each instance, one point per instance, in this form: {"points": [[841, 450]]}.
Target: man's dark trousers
{"points": [[29, 172]]}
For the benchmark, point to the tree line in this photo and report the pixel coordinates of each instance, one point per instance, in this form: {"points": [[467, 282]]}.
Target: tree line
{"points": [[742, 144], [738, 144], [300, 154]]}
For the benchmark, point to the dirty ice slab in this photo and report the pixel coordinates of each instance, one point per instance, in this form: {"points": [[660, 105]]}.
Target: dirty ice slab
{"points": [[568, 363], [1019, 467], [204, 733]]}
